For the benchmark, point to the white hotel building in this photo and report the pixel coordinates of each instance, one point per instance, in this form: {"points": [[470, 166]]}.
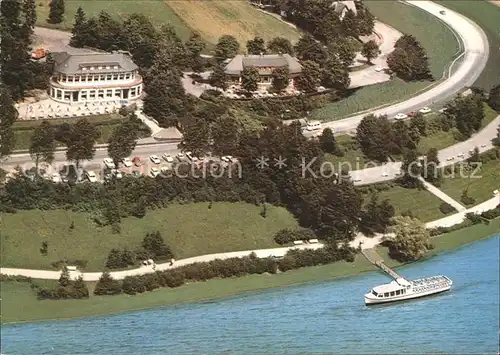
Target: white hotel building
{"points": [[94, 77]]}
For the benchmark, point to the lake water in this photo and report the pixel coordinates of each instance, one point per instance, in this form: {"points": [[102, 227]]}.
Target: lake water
{"points": [[328, 317]]}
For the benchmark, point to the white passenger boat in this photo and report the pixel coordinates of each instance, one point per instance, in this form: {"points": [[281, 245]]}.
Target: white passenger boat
{"points": [[401, 289]]}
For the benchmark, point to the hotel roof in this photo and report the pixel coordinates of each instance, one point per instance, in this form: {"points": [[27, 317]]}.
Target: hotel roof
{"points": [[66, 63], [236, 65]]}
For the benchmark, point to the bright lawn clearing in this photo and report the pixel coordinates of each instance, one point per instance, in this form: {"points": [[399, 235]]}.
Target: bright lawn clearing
{"points": [[422, 204], [480, 187], [156, 10], [23, 305], [238, 18], [437, 39], [487, 16], [190, 230]]}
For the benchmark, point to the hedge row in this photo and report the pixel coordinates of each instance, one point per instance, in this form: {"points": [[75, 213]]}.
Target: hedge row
{"points": [[471, 220], [232, 267]]}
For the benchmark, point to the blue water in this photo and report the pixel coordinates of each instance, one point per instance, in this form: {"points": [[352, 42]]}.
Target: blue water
{"points": [[327, 317]]}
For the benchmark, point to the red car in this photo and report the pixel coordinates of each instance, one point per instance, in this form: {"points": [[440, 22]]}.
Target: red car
{"points": [[412, 113], [137, 161]]}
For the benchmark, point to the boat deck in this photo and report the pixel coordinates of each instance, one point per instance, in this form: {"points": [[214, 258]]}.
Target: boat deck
{"points": [[430, 283]]}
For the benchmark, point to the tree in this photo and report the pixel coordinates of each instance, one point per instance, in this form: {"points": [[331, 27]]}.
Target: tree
{"points": [[250, 79], [79, 33], [494, 98], [64, 279], [170, 46], [29, 11], [420, 123], [474, 156], [80, 146], [370, 50], [350, 26], [227, 47], [43, 144], [256, 46], [109, 31], [56, 12], [139, 37], [496, 140], [225, 134], [365, 21], [399, 62], [122, 142], [402, 138], [308, 49], [334, 75], [327, 141], [8, 115], [377, 216], [411, 239], [374, 135], [411, 170], [196, 136], [154, 243], [431, 172], [280, 45], [409, 60], [342, 49], [194, 46], [107, 285], [309, 80], [281, 78], [467, 112], [218, 77]]}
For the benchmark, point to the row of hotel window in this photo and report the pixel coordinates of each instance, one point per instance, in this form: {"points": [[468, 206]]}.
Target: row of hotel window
{"points": [[91, 94], [95, 77]]}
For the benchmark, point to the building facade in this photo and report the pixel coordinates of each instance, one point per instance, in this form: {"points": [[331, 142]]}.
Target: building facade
{"points": [[265, 64], [94, 77]]}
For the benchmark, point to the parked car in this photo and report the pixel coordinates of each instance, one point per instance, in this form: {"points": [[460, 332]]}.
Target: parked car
{"points": [[109, 163], [443, 110], [155, 159], [401, 116], [137, 161], [116, 173], [168, 158], [127, 162], [379, 69], [425, 110], [180, 156], [314, 126], [154, 172], [412, 114], [191, 157], [91, 176]]}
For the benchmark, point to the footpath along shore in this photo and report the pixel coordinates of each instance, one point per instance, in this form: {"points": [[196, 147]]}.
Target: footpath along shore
{"points": [[366, 243]]}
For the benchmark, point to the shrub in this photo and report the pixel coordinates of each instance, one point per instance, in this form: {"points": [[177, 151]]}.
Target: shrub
{"points": [[492, 214], [155, 245], [119, 259], [286, 236], [466, 199], [446, 208], [107, 285], [44, 248], [474, 218]]}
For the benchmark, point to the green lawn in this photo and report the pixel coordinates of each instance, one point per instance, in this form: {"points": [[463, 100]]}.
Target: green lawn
{"points": [[23, 130], [23, 305], [190, 230], [487, 16], [421, 203], [480, 186], [438, 40], [156, 10]]}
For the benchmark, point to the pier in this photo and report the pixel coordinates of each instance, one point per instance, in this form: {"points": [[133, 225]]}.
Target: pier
{"points": [[372, 256]]}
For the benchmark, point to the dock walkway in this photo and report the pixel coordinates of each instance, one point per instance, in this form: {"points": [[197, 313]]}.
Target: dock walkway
{"points": [[372, 256]]}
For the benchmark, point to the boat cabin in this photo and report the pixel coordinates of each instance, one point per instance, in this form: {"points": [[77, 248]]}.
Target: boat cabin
{"points": [[399, 287]]}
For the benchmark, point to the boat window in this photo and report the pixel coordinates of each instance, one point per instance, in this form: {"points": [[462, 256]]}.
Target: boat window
{"points": [[380, 295], [397, 293], [403, 291], [386, 294], [375, 293], [392, 293]]}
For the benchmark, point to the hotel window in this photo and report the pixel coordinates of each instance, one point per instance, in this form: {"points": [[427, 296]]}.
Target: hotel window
{"points": [[132, 92], [102, 77], [121, 77], [115, 67], [118, 92], [108, 67], [84, 95], [100, 93], [90, 78], [127, 76], [109, 93], [77, 78], [115, 76], [92, 94], [99, 67], [109, 77], [84, 68], [92, 68]]}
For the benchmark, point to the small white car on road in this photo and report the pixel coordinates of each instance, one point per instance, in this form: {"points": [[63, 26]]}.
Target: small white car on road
{"points": [[425, 110], [154, 172], [109, 163], [385, 174], [180, 156], [127, 162], [379, 69], [443, 110], [116, 173], [155, 159], [91, 176], [401, 116], [168, 158], [314, 126]]}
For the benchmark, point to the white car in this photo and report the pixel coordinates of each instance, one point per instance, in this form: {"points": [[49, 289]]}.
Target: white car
{"points": [[56, 177], [225, 159], [155, 159], [116, 173], [401, 116], [180, 156], [91, 176], [450, 158], [385, 174], [109, 163], [127, 162], [154, 172], [379, 69], [425, 110], [443, 110], [461, 155], [168, 158], [314, 126]]}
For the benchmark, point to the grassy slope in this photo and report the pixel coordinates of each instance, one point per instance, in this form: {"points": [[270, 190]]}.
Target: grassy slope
{"points": [[436, 38], [487, 16], [480, 186], [237, 18], [190, 230], [158, 12], [23, 305]]}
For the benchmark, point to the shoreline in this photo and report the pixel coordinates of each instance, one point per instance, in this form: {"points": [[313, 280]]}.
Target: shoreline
{"points": [[242, 285]]}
